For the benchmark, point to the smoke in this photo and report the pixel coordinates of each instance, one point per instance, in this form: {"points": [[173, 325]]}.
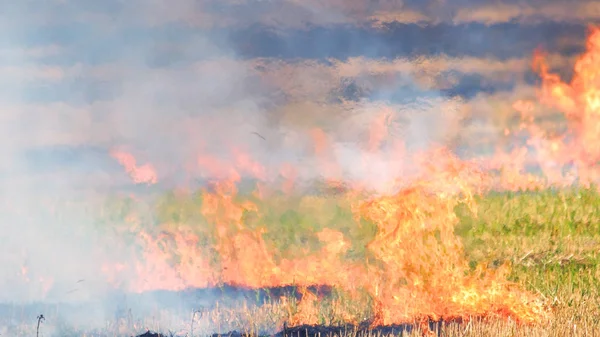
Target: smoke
{"points": [[60, 122], [123, 78], [168, 83]]}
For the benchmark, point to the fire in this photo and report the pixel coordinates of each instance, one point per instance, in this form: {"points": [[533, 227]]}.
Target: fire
{"points": [[580, 102], [139, 174], [413, 267], [571, 156], [24, 272], [323, 151], [424, 268], [41, 284], [288, 172]]}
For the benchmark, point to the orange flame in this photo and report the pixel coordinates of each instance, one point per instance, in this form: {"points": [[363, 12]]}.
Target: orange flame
{"points": [[414, 266], [139, 174], [580, 102], [417, 268], [569, 157]]}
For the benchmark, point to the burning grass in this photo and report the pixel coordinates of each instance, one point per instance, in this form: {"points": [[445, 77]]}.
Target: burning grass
{"points": [[550, 239], [411, 267], [439, 246]]}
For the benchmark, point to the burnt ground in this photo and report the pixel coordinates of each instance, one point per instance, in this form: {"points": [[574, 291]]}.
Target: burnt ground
{"points": [[324, 331], [118, 306]]}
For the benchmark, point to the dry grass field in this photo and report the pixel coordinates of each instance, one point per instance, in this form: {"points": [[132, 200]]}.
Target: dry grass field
{"points": [[550, 239]]}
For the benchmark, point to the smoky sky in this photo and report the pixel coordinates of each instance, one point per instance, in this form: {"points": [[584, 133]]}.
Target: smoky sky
{"points": [[113, 60]]}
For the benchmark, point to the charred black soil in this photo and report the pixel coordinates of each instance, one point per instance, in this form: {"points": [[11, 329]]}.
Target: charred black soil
{"points": [[364, 329]]}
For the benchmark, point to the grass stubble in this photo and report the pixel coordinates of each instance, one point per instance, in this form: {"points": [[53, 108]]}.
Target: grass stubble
{"points": [[551, 239]]}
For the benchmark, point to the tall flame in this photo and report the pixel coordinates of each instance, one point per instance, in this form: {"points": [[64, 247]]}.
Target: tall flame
{"points": [[413, 266], [568, 157]]}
